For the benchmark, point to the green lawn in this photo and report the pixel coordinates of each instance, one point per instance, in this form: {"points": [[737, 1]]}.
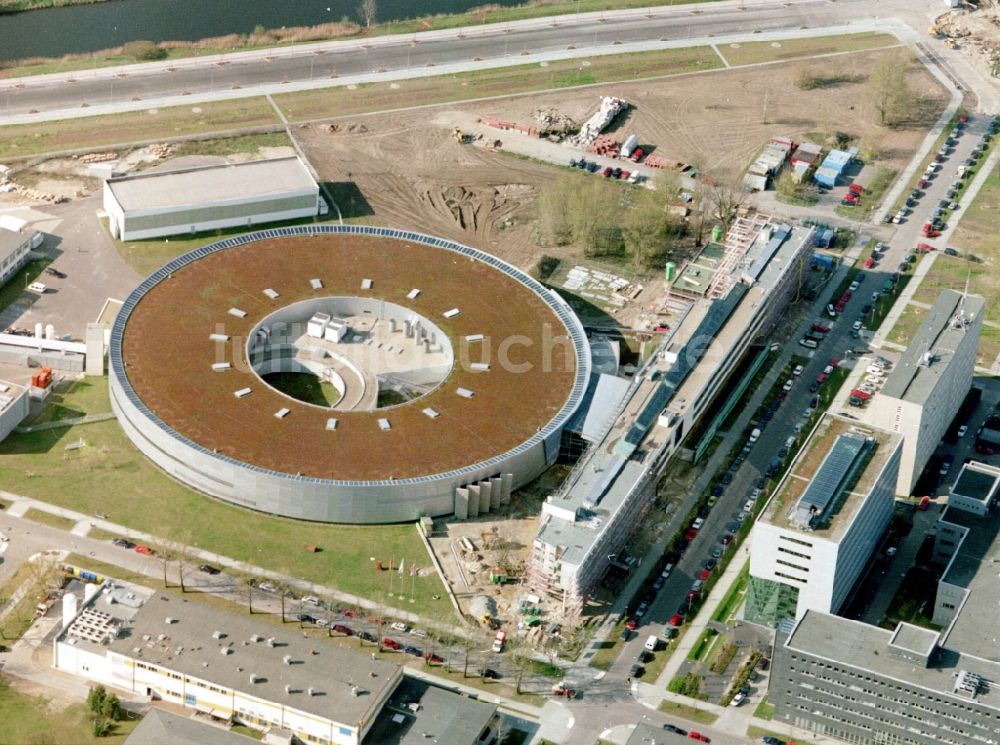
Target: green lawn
{"points": [[29, 720], [734, 596], [690, 713], [47, 518], [610, 648], [978, 226], [14, 289], [502, 81], [100, 131], [755, 52], [906, 325], [304, 387], [74, 399], [110, 476]]}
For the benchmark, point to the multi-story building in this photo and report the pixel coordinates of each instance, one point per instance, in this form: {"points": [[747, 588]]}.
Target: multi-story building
{"points": [[909, 685], [589, 521], [14, 248], [926, 388], [232, 667], [823, 521]]}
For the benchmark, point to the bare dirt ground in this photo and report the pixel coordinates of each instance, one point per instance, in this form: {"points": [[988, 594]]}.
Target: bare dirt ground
{"points": [[406, 170]]}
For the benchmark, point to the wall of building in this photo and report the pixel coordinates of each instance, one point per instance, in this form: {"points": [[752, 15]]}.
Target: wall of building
{"points": [[801, 560], [857, 706], [866, 528], [14, 261], [14, 413]]}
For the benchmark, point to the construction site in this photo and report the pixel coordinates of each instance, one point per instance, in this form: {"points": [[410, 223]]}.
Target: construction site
{"points": [[974, 29]]}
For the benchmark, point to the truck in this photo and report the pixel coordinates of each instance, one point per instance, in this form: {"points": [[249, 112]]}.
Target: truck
{"points": [[499, 640], [629, 145]]}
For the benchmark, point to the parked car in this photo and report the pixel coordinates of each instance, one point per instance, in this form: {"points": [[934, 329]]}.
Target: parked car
{"points": [[490, 674], [209, 569], [141, 549], [695, 735], [123, 543], [52, 271], [636, 671]]}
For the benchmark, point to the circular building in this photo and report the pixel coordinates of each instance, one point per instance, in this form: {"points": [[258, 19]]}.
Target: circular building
{"points": [[347, 374]]}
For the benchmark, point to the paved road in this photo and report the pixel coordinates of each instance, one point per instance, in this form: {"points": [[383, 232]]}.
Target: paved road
{"points": [[393, 57]]}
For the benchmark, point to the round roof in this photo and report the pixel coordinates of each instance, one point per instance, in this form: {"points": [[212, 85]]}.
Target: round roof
{"points": [[163, 352]]}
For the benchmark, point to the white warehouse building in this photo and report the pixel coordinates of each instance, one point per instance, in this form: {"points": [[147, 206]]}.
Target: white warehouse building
{"points": [[194, 200], [930, 381], [823, 521]]}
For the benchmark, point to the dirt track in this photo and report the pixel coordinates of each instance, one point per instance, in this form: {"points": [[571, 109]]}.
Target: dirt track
{"points": [[409, 172]]}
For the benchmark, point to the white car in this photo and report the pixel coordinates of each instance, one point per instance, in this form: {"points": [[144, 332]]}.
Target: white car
{"points": [[856, 325], [402, 628], [962, 430], [798, 370], [787, 386], [738, 699], [311, 600], [853, 287], [37, 287]]}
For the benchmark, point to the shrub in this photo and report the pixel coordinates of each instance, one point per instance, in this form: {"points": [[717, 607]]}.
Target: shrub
{"points": [[143, 50]]}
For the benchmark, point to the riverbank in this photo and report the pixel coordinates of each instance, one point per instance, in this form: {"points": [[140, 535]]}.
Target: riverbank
{"points": [[19, 6], [143, 51]]}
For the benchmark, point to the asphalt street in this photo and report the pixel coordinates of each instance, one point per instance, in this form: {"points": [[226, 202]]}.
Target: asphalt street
{"points": [[315, 65]]}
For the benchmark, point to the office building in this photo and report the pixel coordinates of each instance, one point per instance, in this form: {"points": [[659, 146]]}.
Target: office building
{"points": [[822, 522], [926, 388]]}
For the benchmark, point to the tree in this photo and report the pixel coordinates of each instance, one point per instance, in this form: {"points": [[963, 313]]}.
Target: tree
{"points": [[96, 697], [368, 10], [887, 89], [520, 658], [111, 708], [648, 229], [250, 583], [725, 195], [554, 225], [143, 51]]}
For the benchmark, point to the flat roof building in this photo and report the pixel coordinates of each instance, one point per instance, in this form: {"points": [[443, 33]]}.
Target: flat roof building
{"points": [[193, 200], [823, 521], [418, 712], [159, 727], [14, 406], [603, 499], [927, 386], [909, 685], [229, 666]]}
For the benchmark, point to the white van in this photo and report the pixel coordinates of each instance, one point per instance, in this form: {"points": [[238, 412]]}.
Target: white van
{"points": [[651, 643]]}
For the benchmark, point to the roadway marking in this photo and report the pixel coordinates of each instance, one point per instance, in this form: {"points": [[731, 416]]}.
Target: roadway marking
{"points": [[725, 62]]}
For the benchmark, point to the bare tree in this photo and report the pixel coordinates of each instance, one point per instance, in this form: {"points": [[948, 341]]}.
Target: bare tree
{"points": [[887, 89], [725, 195], [251, 582], [368, 11]]}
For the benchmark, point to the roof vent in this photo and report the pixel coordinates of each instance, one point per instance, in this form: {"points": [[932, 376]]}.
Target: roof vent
{"points": [[287, 659], [412, 294], [311, 691], [383, 424], [288, 688], [220, 366], [451, 313], [465, 392], [254, 678], [331, 424], [218, 635], [237, 312], [226, 651], [317, 284], [282, 413], [479, 366], [218, 337], [242, 392], [366, 284], [475, 337], [355, 692], [271, 294], [433, 414], [168, 620], [270, 641], [255, 638]]}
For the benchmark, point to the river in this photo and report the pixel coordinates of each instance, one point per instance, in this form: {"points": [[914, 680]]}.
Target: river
{"points": [[53, 32]]}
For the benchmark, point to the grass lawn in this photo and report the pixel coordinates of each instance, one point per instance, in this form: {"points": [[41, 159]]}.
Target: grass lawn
{"points": [[690, 713], [872, 197], [109, 475], [32, 719], [14, 289], [230, 145], [47, 518], [304, 387], [148, 256], [776, 51], [734, 596], [99, 131], [976, 230], [609, 649], [502, 81], [73, 399], [764, 710]]}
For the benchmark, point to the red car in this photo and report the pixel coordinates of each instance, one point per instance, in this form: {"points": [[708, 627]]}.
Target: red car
{"points": [[607, 172], [924, 504], [922, 183], [691, 534], [925, 247], [632, 624], [869, 263], [819, 328], [964, 118], [704, 574], [727, 539], [341, 629], [391, 643], [856, 189], [692, 596], [140, 549], [676, 620], [694, 735], [821, 378], [349, 613], [636, 155], [431, 657]]}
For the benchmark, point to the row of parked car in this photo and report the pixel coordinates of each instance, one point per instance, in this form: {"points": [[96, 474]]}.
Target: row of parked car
{"points": [[608, 172]]}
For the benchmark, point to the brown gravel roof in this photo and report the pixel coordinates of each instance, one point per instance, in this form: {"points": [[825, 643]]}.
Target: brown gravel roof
{"points": [[168, 357]]}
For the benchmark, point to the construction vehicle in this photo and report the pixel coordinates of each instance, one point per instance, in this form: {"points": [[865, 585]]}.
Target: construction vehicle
{"points": [[499, 640]]}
